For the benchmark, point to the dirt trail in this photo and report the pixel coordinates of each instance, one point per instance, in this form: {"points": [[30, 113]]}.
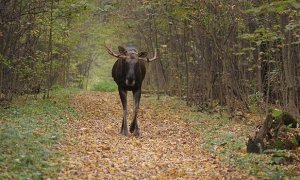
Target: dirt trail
{"points": [[167, 148]]}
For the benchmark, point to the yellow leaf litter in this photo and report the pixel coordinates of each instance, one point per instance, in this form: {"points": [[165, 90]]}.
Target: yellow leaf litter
{"points": [[167, 149]]}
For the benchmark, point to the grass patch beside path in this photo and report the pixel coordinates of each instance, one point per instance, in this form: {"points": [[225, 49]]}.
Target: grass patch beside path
{"points": [[30, 133], [227, 139], [105, 86]]}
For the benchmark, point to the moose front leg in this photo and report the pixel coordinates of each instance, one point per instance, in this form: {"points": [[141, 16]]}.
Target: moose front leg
{"points": [[134, 125], [123, 96]]}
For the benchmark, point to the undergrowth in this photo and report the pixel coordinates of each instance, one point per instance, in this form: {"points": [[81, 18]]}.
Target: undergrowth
{"points": [[227, 139], [30, 133]]}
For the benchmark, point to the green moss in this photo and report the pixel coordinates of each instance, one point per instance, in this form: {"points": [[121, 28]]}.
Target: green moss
{"points": [[277, 114]]}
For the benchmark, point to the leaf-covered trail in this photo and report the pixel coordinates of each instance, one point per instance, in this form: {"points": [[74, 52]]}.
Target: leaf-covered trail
{"points": [[167, 148]]}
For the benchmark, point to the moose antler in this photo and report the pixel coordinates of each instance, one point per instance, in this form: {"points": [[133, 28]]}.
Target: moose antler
{"points": [[109, 50], [152, 59]]}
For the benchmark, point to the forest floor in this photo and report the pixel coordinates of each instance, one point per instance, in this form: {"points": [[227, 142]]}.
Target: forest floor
{"points": [[76, 135], [168, 148]]}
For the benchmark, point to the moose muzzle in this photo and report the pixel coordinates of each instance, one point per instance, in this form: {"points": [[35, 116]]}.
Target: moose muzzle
{"points": [[130, 82]]}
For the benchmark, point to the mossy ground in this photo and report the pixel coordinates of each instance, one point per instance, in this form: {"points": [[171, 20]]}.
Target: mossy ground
{"points": [[30, 135]]}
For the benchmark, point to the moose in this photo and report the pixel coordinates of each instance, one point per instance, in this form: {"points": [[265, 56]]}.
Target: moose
{"points": [[129, 72]]}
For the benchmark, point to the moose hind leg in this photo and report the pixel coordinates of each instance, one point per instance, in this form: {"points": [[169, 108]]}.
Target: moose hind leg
{"points": [[134, 125], [123, 97]]}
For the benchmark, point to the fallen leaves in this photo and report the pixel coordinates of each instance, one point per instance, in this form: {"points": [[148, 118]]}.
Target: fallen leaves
{"points": [[167, 149]]}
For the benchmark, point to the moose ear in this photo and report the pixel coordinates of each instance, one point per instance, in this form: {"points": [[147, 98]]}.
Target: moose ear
{"points": [[122, 50], [142, 54]]}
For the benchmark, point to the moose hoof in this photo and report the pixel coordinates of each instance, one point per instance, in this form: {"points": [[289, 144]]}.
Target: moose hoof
{"points": [[124, 132], [136, 133], [132, 127]]}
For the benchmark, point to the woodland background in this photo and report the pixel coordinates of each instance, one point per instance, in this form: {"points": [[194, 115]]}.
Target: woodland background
{"points": [[230, 61], [229, 53]]}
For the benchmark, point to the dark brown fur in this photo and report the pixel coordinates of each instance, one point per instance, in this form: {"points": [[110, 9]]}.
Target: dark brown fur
{"points": [[119, 74], [129, 72]]}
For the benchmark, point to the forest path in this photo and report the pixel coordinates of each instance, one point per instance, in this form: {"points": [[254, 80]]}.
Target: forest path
{"points": [[167, 148]]}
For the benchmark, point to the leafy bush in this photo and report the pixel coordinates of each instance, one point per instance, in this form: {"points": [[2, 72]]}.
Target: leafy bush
{"points": [[256, 97]]}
